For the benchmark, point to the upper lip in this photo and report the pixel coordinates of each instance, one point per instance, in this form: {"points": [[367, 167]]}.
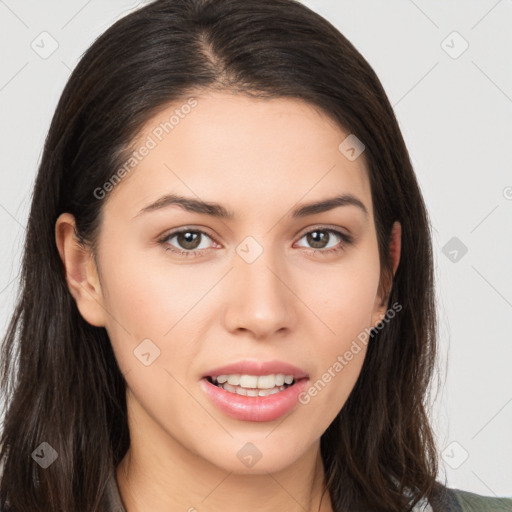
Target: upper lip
{"points": [[254, 367]]}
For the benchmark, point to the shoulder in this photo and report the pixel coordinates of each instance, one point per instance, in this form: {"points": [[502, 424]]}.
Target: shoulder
{"points": [[472, 502], [457, 500], [112, 497]]}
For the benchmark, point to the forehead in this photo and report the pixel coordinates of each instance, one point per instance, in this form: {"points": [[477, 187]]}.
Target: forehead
{"points": [[254, 152]]}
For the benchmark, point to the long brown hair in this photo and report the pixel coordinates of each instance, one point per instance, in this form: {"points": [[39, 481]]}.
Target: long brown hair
{"points": [[60, 378]]}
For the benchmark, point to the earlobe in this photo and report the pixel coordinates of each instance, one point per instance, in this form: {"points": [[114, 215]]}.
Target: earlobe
{"points": [[80, 269]]}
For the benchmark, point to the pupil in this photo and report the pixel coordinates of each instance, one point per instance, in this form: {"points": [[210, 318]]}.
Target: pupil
{"points": [[314, 236], [188, 239]]}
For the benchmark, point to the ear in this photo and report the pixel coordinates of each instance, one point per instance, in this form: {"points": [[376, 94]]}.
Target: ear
{"points": [[381, 302], [81, 273]]}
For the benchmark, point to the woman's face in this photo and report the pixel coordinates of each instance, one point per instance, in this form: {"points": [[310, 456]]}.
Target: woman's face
{"points": [[264, 285]]}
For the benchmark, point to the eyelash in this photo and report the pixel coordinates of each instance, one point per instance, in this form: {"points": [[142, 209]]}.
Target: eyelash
{"points": [[346, 240]]}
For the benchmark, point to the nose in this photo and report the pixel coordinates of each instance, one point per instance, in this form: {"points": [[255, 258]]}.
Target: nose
{"points": [[260, 297]]}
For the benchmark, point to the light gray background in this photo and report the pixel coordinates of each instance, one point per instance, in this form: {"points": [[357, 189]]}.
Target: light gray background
{"points": [[455, 112]]}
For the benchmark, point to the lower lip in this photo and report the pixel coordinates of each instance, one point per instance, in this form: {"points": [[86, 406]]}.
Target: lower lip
{"points": [[255, 408]]}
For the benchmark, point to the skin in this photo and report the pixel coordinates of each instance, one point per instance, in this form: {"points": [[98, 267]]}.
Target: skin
{"points": [[260, 159]]}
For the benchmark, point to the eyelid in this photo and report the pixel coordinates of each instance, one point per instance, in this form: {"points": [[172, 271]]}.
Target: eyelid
{"points": [[176, 231], [299, 234], [173, 232], [346, 239], [325, 227]]}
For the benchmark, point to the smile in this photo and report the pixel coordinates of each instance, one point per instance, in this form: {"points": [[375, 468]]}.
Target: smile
{"points": [[249, 402], [253, 385]]}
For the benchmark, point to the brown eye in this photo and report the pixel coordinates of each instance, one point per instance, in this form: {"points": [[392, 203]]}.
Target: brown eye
{"points": [[188, 239], [320, 238], [188, 242]]}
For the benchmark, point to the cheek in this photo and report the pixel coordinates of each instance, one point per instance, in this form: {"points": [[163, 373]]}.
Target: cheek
{"points": [[150, 295], [343, 300], [344, 296], [150, 298], [166, 409]]}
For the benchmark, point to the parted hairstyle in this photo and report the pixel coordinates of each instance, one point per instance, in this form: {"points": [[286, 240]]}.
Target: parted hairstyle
{"points": [[61, 382]]}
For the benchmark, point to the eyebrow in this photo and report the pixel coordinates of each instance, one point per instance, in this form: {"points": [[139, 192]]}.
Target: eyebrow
{"points": [[217, 210]]}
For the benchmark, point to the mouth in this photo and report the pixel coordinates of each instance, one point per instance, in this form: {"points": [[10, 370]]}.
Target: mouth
{"points": [[248, 398], [253, 385]]}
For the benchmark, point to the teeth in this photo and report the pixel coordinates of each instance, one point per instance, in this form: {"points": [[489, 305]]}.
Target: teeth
{"points": [[234, 380], [254, 381], [251, 392], [249, 381], [280, 379]]}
